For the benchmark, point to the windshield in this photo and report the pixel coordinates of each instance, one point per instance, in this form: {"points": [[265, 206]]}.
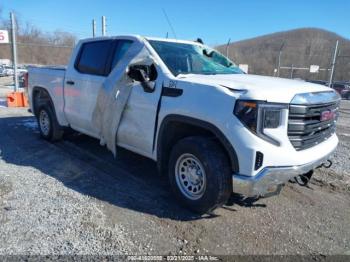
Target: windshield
{"points": [[183, 58]]}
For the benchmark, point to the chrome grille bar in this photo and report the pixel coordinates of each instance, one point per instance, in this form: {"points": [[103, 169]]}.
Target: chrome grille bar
{"points": [[305, 128]]}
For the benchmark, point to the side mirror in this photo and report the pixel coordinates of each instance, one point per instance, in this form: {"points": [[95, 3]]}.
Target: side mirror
{"points": [[144, 74]]}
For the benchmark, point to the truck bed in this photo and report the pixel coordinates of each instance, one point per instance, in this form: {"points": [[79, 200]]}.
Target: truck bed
{"points": [[52, 79]]}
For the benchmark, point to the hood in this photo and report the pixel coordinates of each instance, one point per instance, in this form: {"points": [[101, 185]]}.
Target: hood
{"points": [[271, 89]]}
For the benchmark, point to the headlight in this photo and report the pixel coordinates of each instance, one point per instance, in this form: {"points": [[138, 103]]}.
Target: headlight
{"points": [[316, 98], [259, 116], [247, 112]]}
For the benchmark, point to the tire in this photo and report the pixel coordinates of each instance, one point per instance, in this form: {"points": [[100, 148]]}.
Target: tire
{"points": [[202, 163], [48, 126]]}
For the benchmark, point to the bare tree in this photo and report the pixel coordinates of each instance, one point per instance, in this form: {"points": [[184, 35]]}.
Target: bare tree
{"points": [[38, 47]]}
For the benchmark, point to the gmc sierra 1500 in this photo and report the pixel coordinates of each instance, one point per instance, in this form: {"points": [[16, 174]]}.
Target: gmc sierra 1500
{"points": [[211, 128]]}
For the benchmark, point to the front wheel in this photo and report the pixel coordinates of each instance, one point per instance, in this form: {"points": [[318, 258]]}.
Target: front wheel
{"points": [[199, 174]]}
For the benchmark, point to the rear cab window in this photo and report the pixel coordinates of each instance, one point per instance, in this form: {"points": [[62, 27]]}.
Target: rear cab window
{"points": [[93, 57], [100, 57]]}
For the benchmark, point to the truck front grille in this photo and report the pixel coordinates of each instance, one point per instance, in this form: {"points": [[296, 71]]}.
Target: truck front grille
{"points": [[307, 127]]}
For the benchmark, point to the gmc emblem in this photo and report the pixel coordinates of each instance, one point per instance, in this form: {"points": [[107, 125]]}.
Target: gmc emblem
{"points": [[328, 115]]}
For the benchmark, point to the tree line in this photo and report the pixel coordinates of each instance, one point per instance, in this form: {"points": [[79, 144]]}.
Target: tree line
{"points": [[35, 46]]}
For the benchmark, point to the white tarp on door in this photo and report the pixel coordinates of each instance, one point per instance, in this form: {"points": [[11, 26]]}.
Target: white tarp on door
{"points": [[114, 94]]}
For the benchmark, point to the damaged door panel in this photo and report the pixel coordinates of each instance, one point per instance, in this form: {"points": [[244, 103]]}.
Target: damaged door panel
{"points": [[123, 101]]}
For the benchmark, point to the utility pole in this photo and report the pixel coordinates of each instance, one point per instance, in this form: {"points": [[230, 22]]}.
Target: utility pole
{"points": [[333, 64], [279, 60], [104, 26], [228, 46], [93, 28], [14, 50]]}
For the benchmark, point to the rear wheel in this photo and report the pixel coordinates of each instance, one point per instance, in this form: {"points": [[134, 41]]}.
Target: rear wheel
{"points": [[48, 125], [199, 174]]}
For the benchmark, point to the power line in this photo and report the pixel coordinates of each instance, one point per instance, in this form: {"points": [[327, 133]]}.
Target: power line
{"points": [[42, 45], [54, 23]]}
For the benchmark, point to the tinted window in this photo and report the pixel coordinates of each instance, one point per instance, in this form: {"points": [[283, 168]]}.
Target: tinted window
{"points": [[337, 86], [122, 47], [93, 57]]}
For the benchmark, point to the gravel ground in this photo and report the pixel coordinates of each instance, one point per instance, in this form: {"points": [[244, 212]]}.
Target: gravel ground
{"points": [[72, 197], [338, 176]]}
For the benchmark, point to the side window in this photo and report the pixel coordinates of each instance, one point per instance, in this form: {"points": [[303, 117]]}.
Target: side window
{"points": [[121, 48], [93, 57]]}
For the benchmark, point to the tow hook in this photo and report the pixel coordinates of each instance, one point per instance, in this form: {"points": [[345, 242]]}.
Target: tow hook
{"points": [[328, 165], [303, 180]]}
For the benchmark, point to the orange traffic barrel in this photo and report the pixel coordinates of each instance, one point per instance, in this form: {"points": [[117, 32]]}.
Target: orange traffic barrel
{"points": [[17, 99]]}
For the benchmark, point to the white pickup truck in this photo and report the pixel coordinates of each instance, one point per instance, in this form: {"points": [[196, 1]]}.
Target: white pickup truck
{"points": [[211, 128]]}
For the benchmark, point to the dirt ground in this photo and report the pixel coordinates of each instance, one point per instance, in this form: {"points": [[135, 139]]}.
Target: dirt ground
{"points": [[73, 197]]}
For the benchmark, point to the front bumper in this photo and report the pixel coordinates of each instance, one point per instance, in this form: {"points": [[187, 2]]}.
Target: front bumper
{"points": [[270, 180]]}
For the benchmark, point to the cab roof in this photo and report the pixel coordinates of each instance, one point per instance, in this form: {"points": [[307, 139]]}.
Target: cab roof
{"points": [[141, 38]]}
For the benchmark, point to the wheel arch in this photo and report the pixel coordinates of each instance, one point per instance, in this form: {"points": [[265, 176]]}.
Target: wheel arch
{"points": [[176, 127], [44, 98]]}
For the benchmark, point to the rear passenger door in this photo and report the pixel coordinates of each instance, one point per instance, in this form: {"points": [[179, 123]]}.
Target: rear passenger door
{"points": [[94, 62], [83, 81]]}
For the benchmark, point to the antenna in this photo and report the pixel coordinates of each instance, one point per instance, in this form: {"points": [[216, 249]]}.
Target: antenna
{"points": [[170, 25]]}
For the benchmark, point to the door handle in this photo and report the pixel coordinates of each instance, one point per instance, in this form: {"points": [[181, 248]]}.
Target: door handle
{"points": [[70, 82]]}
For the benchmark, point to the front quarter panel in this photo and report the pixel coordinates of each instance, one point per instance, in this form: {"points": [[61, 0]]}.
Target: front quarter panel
{"points": [[210, 104]]}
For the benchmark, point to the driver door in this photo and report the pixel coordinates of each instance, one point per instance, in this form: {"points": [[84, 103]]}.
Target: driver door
{"points": [[137, 127]]}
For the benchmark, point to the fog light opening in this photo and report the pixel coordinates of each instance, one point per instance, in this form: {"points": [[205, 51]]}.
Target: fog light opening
{"points": [[259, 158]]}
